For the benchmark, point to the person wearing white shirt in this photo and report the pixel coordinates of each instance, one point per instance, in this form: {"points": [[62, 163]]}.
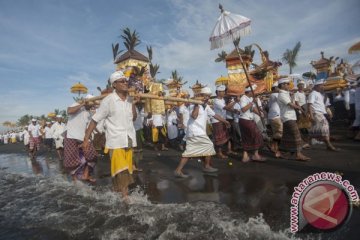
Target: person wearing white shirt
{"points": [[251, 137], [236, 110], [232, 117], [339, 105], [48, 139], [79, 162], [274, 120], [158, 121], [139, 125], [302, 120], [34, 143], [291, 140], [299, 96], [220, 132], [198, 144], [119, 112], [352, 92], [13, 137], [57, 130], [320, 126], [6, 138], [183, 117], [26, 139], [171, 124]]}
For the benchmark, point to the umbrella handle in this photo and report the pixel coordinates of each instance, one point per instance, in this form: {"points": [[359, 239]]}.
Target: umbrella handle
{"points": [[248, 79]]}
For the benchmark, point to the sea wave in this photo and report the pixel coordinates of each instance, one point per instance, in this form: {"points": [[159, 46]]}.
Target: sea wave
{"points": [[56, 208]]}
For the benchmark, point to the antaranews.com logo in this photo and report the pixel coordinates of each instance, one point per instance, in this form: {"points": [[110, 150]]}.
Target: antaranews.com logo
{"points": [[323, 200]]}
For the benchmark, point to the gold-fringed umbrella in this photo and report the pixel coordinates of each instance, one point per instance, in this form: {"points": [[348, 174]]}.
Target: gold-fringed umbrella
{"points": [[222, 80], [354, 48], [79, 89], [51, 115]]}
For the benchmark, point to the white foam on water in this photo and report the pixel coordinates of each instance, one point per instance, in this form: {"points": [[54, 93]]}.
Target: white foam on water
{"points": [[84, 212]]}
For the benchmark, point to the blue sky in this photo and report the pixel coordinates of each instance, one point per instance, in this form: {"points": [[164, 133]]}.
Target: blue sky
{"points": [[48, 45]]}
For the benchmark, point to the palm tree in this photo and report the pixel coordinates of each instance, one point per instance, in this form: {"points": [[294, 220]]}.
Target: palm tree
{"points": [[154, 68], [131, 39], [289, 56], [221, 57]]}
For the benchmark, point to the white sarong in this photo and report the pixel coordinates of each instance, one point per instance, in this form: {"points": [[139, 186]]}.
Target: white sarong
{"points": [[199, 146]]}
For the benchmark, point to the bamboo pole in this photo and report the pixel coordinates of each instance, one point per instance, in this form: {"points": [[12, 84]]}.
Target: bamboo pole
{"points": [[150, 96]]}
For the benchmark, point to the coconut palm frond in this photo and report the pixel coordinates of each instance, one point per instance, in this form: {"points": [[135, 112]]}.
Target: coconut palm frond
{"points": [[154, 69], [221, 57], [236, 41], [289, 56], [131, 39], [150, 52]]}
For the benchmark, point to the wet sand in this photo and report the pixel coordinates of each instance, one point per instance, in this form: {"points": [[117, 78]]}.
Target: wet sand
{"points": [[248, 189]]}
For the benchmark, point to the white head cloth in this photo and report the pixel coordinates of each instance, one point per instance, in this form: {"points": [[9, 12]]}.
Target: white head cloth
{"points": [[116, 76], [220, 88], [283, 80], [206, 90]]}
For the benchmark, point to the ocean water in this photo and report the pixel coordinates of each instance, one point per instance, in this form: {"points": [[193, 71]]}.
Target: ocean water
{"points": [[42, 207], [39, 201]]}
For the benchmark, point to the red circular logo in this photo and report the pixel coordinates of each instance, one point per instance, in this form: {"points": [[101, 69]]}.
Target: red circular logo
{"points": [[325, 206]]}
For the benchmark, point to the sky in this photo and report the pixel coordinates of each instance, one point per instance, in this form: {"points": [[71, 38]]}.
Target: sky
{"points": [[46, 46]]}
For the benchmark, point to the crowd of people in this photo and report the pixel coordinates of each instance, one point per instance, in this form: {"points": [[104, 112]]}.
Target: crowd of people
{"points": [[285, 122]]}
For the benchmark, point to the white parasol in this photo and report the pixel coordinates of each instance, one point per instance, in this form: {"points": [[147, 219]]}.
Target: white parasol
{"points": [[230, 27]]}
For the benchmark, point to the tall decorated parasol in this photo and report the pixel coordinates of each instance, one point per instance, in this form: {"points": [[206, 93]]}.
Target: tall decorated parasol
{"points": [[354, 48], [79, 88], [231, 27]]}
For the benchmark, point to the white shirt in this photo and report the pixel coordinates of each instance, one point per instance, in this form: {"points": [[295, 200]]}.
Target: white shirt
{"points": [[197, 127], [57, 129], [244, 101], [184, 110], [352, 96], [119, 124], [300, 98], [274, 109], [338, 98], [48, 133], [219, 105], [286, 112], [317, 102], [158, 120], [236, 115], [138, 123], [77, 123], [34, 129]]}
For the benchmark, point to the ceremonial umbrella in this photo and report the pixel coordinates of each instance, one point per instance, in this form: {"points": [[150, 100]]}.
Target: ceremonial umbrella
{"points": [[222, 81], [354, 48], [79, 88], [230, 27]]}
